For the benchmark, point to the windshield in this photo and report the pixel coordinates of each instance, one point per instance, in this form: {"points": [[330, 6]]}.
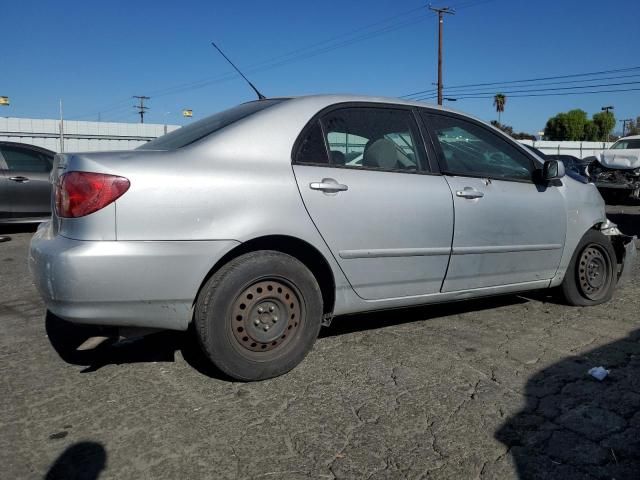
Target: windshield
{"points": [[202, 128], [626, 144]]}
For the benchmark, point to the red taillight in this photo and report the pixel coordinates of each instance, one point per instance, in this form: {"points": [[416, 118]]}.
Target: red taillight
{"points": [[81, 193]]}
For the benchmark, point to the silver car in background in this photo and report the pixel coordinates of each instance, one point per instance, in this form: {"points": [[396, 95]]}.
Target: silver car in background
{"points": [[258, 224]]}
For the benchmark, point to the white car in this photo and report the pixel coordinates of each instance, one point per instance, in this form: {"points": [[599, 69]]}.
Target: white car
{"points": [[617, 172]]}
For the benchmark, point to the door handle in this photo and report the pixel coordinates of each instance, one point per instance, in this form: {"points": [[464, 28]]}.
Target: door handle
{"points": [[19, 179], [469, 192], [328, 185]]}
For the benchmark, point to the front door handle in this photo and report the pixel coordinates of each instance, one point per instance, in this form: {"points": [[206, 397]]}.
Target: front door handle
{"points": [[469, 192], [19, 179], [328, 185]]}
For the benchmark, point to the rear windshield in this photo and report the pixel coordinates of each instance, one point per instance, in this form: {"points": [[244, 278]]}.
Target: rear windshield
{"points": [[200, 129], [624, 144]]}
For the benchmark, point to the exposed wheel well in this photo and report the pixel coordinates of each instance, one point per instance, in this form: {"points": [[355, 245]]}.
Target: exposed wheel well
{"points": [[295, 247]]}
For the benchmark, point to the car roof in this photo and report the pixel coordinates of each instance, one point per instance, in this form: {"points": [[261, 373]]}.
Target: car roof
{"points": [[331, 99], [630, 137], [27, 146]]}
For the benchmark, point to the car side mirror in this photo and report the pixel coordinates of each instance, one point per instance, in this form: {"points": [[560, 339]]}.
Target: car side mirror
{"points": [[552, 170]]}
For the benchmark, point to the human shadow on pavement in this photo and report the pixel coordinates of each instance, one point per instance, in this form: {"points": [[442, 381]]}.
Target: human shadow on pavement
{"points": [[574, 426], [80, 461]]}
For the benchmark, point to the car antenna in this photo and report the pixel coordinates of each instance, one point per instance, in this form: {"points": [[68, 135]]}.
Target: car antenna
{"points": [[260, 96]]}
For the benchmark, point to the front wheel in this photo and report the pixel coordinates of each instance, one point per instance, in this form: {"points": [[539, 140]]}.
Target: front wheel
{"points": [[259, 315], [591, 276]]}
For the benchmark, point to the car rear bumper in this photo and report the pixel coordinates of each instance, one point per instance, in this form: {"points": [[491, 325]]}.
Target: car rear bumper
{"points": [[122, 283]]}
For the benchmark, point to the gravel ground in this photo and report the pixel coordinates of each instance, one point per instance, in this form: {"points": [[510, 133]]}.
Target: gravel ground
{"points": [[494, 388]]}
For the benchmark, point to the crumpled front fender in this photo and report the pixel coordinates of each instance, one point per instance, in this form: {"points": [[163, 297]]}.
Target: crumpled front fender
{"points": [[625, 248]]}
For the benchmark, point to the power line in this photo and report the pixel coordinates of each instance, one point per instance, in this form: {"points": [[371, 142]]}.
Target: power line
{"points": [[528, 80], [547, 94], [537, 90], [299, 54], [465, 91]]}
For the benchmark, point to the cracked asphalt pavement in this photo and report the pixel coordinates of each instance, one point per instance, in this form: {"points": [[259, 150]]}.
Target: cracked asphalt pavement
{"points": [[494, 388]]}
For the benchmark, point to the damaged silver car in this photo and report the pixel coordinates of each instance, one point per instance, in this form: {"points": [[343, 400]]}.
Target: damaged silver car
{"points": [[617, 172], [257, 225]]}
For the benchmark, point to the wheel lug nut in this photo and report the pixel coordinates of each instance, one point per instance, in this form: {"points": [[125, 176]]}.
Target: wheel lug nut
{"points": [[271, 308], [256, 322], [260, 309], [274, 319], [266, 327]]}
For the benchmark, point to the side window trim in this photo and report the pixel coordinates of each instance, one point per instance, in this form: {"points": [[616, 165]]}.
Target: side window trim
{"points": [[426, 113]]}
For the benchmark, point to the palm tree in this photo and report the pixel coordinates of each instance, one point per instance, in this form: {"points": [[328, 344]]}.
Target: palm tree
{"points": [[499, 101]]}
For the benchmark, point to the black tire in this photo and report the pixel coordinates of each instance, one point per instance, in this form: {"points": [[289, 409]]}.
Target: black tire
{"points": [[591, 276], [259, 315], [65, 337]]}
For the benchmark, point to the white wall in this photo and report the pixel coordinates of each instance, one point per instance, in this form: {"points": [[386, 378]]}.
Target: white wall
{"points": [[577, 149], [80, 136]]}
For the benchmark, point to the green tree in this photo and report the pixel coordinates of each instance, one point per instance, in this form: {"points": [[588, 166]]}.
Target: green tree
{"points": [[499, 101], [576, 121], [575, 125], [508, 129], [606, 122], [557, 128], [591, 132]]}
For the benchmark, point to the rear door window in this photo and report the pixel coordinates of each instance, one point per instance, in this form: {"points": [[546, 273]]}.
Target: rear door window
{"points": [[373, 138], [25, 160]]}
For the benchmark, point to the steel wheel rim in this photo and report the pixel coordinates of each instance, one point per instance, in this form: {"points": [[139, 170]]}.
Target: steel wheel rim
{"points": [[594, 275], [266, 315]]}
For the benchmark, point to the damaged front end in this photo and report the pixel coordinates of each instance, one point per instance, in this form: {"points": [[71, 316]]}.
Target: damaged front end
{"points": [[615, 179], [625, 248]]}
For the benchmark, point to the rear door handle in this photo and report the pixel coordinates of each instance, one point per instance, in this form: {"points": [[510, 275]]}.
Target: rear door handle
{"points": [[328, 185], [469, 192], [19, 179]]}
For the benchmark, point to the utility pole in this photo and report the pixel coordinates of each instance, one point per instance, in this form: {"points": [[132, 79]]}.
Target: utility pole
{"points": [[606, 110], [624, 124], [141, 108], [61, 129], [441, 11]]}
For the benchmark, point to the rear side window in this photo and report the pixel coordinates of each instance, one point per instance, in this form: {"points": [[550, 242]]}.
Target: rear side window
{"points": [[25, 160], [202, 128], [312, 149]]}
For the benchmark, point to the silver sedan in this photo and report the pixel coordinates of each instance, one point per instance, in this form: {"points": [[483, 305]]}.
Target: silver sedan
{"points": [[258, 224]]}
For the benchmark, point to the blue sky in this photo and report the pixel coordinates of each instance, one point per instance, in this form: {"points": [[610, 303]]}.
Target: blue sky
{"points": [[96, 55]]}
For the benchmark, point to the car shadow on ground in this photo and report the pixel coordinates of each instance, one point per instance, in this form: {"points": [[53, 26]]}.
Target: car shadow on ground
{"points": [[162, 346], [13, 228], [574, 426], [80, 461]]}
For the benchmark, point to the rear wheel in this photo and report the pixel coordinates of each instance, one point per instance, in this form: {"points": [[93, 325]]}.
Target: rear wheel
{"points": [[591, 276], [259, 315]]}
